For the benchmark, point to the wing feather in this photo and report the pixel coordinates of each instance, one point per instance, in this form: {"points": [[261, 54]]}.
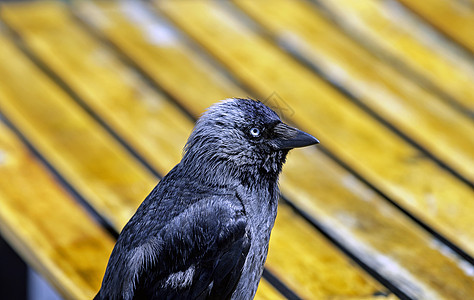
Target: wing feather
{"points": [[199, 254]]}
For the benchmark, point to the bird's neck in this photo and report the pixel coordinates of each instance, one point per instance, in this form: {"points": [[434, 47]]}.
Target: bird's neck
{"points": [[217, 172], [224, 169]]}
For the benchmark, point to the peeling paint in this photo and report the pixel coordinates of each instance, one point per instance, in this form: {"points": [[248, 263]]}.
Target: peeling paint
{"points": [[405, 19], [156, 32], [3, 157], [465, 266], [432, 204], [356, 187], [95, 16], [385, 265]]}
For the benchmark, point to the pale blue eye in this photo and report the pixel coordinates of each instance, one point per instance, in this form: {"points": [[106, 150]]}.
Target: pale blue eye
{"points": [[255, 132]]}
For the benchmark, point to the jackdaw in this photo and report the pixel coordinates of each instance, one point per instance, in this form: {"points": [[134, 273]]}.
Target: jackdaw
{"points": [[203, 231]]}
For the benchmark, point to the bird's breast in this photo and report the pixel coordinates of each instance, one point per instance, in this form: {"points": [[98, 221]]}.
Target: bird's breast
{"points": [[261, 210]]}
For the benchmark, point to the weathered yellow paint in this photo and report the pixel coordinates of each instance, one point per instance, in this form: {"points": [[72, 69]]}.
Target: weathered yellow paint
{"points": [[419, 114], [366, 286], [46, 226], [454, 18], [320, 280], [380, 234], [387, 161], [113, 91], [155, 44], [401, 37], [82, 151]]}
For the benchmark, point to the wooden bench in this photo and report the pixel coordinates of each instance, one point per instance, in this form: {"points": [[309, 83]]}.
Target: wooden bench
{"points": [[97, 100]]}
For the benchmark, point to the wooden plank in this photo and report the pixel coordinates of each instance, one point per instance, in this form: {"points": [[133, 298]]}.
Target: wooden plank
{"points": [[374, 230], [83, 152], [346, 200], [50, 230], [417, 113], [320, 272], [366, 287], [454, 18], [157, 42], [397, 169], [390, 29], [102, 81]]}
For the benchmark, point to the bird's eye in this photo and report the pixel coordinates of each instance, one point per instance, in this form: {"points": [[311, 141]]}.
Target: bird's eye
{"points": [[255, 132]]}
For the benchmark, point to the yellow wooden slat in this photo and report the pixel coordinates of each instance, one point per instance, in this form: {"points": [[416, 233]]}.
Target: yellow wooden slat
{"points": [[117, 26], [379, 234], [454, 18], [52, 233], [431, 122], [387, 27], [102, 81], [319, 274], [366, 285], [396, 168], [157, 43], [79, 148]]}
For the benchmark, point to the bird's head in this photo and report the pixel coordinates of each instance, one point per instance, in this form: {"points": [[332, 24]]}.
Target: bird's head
{"points": [[242, 135]]}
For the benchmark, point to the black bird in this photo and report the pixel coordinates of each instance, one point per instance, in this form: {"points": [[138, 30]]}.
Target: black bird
{"points": [[203, 232]]}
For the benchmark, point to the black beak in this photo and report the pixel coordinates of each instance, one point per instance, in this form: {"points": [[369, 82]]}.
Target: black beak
{"points": [[289, 137]]}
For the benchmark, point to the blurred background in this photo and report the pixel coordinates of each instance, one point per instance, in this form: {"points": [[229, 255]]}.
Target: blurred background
{"points": [[97, 99]]}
